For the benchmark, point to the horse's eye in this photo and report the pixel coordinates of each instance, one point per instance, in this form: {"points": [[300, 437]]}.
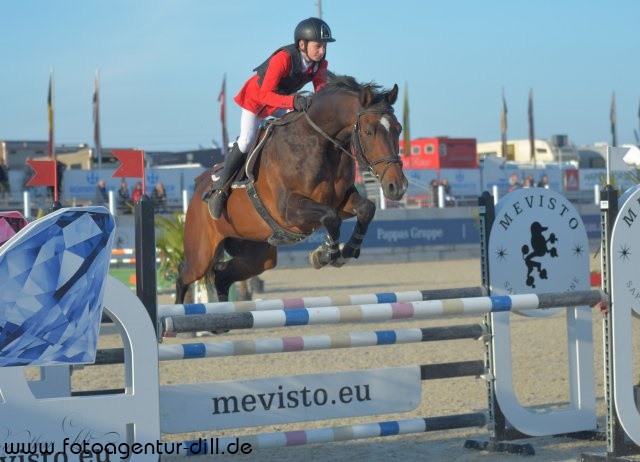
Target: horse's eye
{"points": [[368, 132]]}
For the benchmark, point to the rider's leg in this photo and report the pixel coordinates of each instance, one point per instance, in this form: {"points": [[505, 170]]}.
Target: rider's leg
{"points": [[249, 124], [234, 161]]}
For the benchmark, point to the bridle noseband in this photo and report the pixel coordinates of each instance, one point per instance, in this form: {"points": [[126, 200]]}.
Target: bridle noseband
{"points": [[357, 147]]}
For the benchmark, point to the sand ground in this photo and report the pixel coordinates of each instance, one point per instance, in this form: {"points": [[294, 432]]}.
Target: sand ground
{"points": [[539, 350]]}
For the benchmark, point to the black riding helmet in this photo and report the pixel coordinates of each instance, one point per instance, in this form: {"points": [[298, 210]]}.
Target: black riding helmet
{"points": [[313, 29]]}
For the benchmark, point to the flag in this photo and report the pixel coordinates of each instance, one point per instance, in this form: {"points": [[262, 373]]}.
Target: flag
{"points": [[405, 122], [96, 121], [50, 148], [612, 117], [44, 173], [132, 163], [223, 116], [531, 131], [503, 125], [51, 145]]}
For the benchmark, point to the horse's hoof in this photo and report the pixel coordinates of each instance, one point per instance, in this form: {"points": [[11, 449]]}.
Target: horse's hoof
{"points": [[338, 262], [318, 258], [347, 252], [314, 261]]}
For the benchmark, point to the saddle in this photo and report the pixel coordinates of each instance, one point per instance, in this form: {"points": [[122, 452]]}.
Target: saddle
{"points": [[244, 179], [244, 175]]}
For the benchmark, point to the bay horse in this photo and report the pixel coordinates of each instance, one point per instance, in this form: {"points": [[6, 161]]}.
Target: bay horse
{"points": [[302, 179]]}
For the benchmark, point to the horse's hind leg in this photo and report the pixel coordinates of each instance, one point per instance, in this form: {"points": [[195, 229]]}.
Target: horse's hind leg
{"points": [[201, 246], [181, 287], [248, 259]]}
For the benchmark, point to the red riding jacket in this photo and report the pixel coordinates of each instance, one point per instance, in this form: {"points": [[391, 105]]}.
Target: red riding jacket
{"points": [[276, 80]]}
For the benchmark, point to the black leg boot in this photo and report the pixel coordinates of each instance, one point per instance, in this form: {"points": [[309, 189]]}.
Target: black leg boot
{"points": [[232, 163]]}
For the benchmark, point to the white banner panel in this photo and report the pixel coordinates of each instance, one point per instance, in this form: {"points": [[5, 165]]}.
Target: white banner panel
{"points": [[625, 283], [278, 400]]}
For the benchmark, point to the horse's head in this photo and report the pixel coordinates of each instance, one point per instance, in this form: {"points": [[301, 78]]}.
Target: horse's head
{"points": [[375, 139]]}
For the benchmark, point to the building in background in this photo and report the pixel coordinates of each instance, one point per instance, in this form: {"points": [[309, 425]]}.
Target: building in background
{"points": [[440, 152], [558, 150], [82, 157]]}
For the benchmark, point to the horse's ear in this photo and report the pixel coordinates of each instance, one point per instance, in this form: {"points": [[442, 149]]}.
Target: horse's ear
{"points": [[366, 96], [392, 96]]}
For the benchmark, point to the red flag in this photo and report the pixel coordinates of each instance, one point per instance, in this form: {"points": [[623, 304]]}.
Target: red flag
{"points": [[223, 116], [132, 163], [44, 173]]}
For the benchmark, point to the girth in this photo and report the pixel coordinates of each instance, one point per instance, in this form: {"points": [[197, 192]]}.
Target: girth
{"points": [[280, 235]]}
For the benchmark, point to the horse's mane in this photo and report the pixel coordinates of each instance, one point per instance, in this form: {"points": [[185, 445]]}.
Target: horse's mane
{"points": [[337, 83]]}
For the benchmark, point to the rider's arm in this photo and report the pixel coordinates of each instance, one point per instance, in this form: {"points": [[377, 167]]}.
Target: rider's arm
{"points": [[279, 67]]}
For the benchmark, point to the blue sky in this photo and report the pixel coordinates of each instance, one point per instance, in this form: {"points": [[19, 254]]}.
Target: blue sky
{"points": [[161, 64]]}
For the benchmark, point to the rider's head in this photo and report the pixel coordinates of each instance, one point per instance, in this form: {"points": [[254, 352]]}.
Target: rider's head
{"points": [[311, 36]]}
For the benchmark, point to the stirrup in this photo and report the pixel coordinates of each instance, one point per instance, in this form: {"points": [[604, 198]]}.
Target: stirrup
{"points": [[207, 194]]}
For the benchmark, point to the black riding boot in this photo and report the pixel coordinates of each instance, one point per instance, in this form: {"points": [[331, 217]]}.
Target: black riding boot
{"points": [[232, 163]]}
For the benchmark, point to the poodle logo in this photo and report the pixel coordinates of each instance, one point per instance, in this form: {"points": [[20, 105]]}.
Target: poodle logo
{"points": [[539, 248]]}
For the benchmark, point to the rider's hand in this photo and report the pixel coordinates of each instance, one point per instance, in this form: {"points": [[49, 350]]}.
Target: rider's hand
{"points": [[301, 102]]}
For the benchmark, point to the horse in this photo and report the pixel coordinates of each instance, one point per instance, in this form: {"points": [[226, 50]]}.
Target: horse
{"points": [[302, 179]]}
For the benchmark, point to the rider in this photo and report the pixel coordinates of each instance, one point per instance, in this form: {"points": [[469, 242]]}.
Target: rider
{"points": [[271, 92]]}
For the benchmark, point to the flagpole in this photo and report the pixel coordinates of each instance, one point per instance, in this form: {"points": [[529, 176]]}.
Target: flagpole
{"points": [[503, 125], [612, 117], [607, 162], [406, 126], [532, 141], [52, 146], [96, 119], [222, 99]]}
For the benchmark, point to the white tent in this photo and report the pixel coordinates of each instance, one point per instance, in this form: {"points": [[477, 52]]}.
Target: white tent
{"points": [[632, 157]]}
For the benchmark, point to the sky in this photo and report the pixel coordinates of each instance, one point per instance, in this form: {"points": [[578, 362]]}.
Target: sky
{"points": [[161, 65]]}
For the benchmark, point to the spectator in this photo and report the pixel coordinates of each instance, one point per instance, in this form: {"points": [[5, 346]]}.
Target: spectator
{"points": [[124, 198], [528, 182], [137, 192], [28, 173], [434, 193], [514, 182], [102, 197], [544, 182], [449, 200], [159, 197], [5, 187]]}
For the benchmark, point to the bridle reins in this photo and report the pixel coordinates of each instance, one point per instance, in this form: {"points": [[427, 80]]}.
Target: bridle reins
{"points": [[356, 143]]}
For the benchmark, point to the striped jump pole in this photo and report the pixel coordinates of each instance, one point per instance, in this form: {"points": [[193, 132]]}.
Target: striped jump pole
{"points": [[334, 434], [316, 302], [380, 312], [301, 343]]}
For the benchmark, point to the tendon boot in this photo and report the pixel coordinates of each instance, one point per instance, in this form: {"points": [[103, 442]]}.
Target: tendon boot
{"points": [[232, 163]]}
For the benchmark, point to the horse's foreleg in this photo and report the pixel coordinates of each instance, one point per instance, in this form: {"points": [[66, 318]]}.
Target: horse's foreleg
{"points": [[364, 210], [301, 211]]}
